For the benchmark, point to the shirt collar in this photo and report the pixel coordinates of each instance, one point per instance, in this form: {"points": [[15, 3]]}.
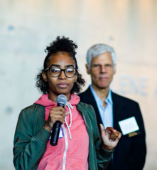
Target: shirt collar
{"points": [[108, 99]]}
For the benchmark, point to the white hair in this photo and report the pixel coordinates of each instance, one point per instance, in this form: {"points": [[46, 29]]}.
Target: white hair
{"points": [[99, 49]]}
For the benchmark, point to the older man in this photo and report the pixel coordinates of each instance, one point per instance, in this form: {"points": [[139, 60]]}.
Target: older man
{"points": [[113, 110]]}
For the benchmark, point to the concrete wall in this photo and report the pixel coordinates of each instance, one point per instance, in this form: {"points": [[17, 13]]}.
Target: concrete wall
{"points": [[27, 27]]}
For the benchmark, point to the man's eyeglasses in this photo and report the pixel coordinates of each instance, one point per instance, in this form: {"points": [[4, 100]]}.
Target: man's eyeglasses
{"points": [[56, 71]]}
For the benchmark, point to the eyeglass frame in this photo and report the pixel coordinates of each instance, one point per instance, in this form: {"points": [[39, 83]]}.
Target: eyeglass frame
{"points": [[61, 71]]}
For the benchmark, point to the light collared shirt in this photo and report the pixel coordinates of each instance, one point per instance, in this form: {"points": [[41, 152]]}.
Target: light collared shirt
{"points": [[106, 113]]}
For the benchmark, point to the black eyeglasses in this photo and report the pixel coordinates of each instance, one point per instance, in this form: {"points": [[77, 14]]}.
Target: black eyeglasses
{"points": [[56, 71]]}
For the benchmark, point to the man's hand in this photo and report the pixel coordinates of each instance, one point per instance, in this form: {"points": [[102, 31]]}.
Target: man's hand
{"points": [[110, 137]]}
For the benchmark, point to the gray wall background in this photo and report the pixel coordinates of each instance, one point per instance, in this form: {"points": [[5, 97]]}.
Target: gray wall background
{"points": [[27, 27]]}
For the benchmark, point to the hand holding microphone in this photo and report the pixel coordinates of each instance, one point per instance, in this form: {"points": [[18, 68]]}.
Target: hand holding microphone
{"points": [[56, 118], [56, 114]]}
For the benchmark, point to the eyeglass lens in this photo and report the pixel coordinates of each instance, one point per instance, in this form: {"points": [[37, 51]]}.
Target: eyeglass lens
{"points": [[69, 72]]}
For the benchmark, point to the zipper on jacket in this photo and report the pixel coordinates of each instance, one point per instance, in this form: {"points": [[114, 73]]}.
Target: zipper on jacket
{"points": [[66, 148]]}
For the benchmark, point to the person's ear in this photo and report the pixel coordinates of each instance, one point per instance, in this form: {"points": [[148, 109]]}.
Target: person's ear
{"points": [[75, 79], [114, 72], [87, 69], [44, 75]]}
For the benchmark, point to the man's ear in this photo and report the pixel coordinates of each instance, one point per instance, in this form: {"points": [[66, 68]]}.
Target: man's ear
{"points": [[87, 69], [114, 70], [44, 75]]}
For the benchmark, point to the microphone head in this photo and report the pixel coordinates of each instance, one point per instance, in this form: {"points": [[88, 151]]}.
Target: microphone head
{"points": [[62, 99]]}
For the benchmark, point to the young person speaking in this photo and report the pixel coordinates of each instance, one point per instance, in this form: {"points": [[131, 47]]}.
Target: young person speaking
{"points": [[79, 144]]}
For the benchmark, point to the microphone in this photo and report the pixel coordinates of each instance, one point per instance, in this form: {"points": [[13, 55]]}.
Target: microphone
{"points": [[61, 101]]}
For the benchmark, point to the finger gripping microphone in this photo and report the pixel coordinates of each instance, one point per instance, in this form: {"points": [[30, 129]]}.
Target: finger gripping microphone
{"points": [[61, 101]]}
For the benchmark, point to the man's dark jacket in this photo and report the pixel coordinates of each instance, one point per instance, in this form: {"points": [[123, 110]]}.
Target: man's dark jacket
{"points": [[130, 152]]}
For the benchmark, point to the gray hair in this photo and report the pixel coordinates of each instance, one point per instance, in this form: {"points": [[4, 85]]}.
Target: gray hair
{"points": [[99, 49]]}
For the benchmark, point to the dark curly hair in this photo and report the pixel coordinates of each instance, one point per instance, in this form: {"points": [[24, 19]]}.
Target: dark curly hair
{"points": [[61, 44]]}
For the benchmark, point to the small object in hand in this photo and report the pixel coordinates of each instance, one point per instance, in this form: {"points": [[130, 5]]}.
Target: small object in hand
{"points": [[114, 135]]}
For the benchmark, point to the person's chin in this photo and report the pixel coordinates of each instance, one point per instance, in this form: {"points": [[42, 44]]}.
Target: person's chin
{"points": [[63, 90], [103, 86]]}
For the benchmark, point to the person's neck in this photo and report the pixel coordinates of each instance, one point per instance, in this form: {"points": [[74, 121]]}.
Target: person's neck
{"points": [[102, 93], [53, 97]]}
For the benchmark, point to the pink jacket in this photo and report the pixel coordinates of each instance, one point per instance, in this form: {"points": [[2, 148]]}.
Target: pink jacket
{"points": [[71, 152]]}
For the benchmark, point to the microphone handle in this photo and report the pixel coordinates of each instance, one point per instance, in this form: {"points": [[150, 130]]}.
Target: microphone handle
{"points": [[56, 130]]}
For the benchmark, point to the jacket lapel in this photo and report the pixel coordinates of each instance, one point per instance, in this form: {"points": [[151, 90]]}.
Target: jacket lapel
{"points": [[117, 111], [118, 115]]}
